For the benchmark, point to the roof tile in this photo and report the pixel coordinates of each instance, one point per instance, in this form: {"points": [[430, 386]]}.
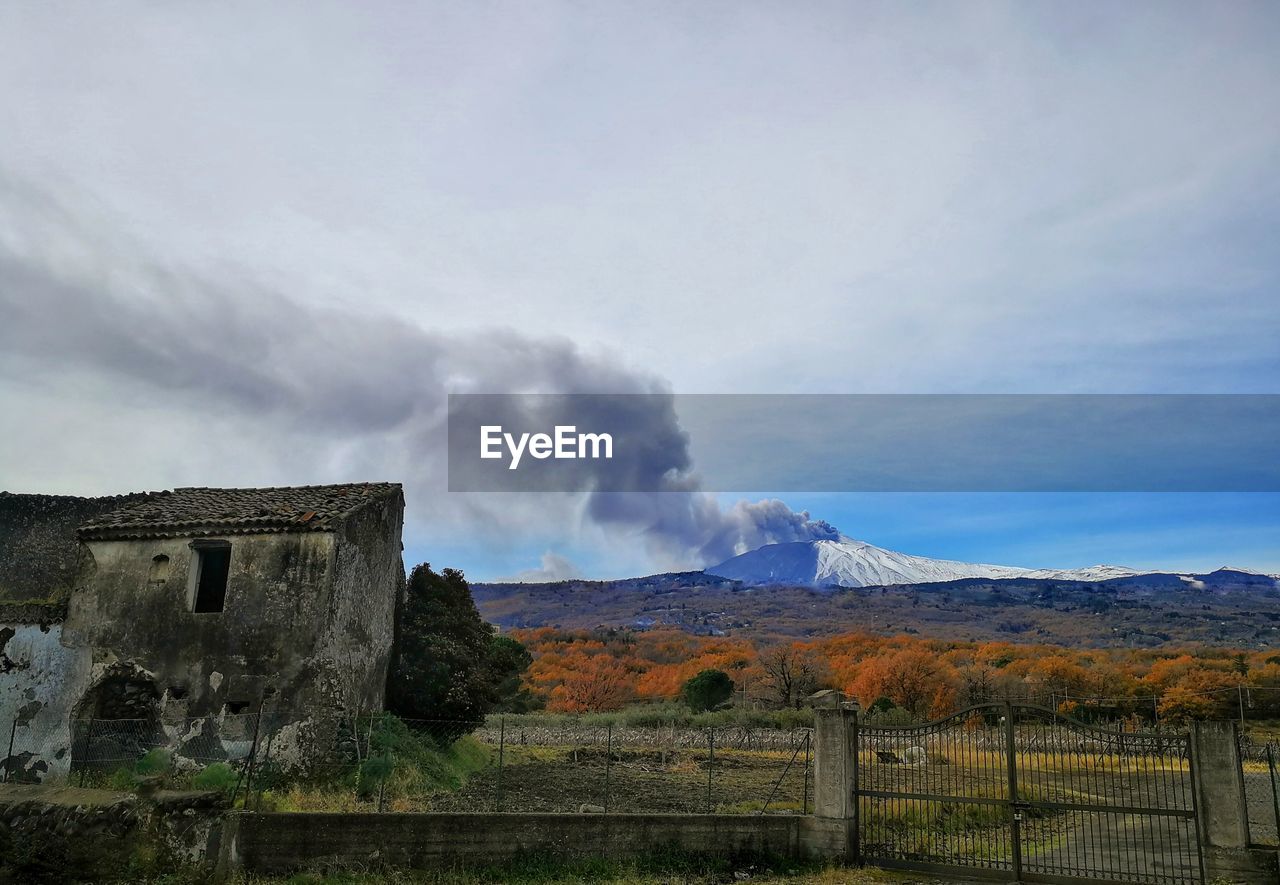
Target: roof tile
{"points": [[205, 511]]}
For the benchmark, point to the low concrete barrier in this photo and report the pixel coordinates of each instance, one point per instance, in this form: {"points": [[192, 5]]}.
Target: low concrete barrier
{"points": [[283, 842]]}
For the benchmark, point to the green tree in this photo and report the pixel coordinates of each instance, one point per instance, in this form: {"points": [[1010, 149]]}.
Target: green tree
{"points": [[441, 663], [508, 660], [708, 690]]}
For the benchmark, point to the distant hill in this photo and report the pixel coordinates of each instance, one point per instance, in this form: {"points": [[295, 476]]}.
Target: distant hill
{"points": [[1225, 607]]}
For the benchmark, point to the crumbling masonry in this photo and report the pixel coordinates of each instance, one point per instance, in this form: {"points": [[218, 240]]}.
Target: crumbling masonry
{"points": [[182, 611]]}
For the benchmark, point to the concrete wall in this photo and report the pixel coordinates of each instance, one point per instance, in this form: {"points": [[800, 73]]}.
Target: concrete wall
{"points": [[39, 680], [279, 843]]}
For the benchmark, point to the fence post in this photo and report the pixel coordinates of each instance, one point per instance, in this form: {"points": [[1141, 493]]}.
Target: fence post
{"points": [[804, 805], [1218, 781], [1011, 749], [8, 759], [502, 746], [382, 785], [246, 774], [855, 782], [88, 750], [1275, 797], [711, 762], [608, 761], [835, 742], [266, 757]]}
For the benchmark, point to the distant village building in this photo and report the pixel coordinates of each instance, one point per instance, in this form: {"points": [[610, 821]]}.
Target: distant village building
{"points": [[180, 610]]}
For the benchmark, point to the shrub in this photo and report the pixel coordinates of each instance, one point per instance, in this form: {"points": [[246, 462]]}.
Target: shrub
{"points": [[218, 776], [155, 761], [374, 772], [708, 690]]}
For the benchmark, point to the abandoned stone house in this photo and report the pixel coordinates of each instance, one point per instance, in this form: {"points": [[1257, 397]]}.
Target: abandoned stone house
{"points": [[182, 610]]}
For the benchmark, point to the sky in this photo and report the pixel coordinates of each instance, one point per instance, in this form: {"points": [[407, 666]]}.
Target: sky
{"points": [[247, 244]]}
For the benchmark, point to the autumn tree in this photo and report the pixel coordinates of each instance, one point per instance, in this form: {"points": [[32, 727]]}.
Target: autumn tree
{"points": [[593, 684], [913, 678], [793, 672], [928, 677]]}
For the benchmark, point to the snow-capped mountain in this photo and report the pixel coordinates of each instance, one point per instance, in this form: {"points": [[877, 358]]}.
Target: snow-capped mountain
{"points": [[851, 563]]}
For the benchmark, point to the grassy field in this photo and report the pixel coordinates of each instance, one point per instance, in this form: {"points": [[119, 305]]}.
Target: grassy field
{"points": [[565, 778]]}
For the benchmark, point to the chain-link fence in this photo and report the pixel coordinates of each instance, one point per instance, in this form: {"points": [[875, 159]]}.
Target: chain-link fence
{"points": [[508, 765], [1259, 762], [36, 751], [292, 761]]}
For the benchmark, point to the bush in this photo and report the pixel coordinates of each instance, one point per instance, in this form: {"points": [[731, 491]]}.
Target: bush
{"points": [[218, 776], [374, 771], [155, 761], [890, 716], [122, 780]]}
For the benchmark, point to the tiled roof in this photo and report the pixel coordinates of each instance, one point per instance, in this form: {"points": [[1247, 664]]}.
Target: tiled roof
{"points": [[202, 511]]}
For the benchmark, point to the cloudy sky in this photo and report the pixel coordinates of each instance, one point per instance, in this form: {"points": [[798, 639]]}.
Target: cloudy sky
{"points": [[257, 244]]}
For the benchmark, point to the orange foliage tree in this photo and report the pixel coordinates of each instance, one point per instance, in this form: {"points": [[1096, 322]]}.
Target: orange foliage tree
{"points": [[593, 684], [582, 671], [913, 678]]}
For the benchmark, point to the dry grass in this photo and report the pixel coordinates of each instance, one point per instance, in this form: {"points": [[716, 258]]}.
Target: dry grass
{"points": [[642, 872]]}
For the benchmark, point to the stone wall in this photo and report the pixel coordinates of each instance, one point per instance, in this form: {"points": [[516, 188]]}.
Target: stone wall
{"points": [[279, 843], [39, 552], [102, 828]]}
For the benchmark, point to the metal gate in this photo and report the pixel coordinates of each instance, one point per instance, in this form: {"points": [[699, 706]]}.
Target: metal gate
{"points": [[1021, 793]]}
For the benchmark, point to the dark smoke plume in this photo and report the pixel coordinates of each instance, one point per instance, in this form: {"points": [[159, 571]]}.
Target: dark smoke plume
{"points": [[369, 387]]}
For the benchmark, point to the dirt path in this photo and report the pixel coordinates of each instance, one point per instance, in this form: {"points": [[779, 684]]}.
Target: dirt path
{"points": [[1139, 847]]}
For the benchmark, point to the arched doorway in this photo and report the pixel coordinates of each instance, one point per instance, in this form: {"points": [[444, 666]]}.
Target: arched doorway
{"points": [[117, 721]]}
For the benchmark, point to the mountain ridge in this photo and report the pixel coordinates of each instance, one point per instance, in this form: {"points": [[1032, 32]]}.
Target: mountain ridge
{"points": [[849, 562], [1224, 607], [815, 588]]}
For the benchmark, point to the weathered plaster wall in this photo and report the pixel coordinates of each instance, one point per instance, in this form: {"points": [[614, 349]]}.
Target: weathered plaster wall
{"points": [[277, 595], [39, 680], [355, 649]]}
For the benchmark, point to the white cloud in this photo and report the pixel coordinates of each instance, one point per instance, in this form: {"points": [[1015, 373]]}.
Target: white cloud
{"points": [[989, 197], [744, 198], [553, 567]]}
